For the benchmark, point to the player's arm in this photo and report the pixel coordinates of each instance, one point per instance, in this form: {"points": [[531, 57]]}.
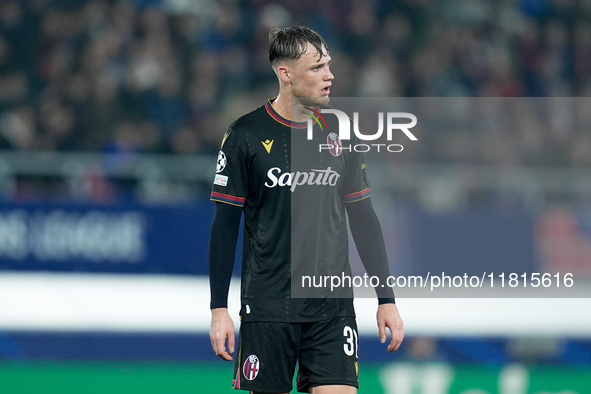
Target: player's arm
{"points": [[222, 250], [369, 240]]}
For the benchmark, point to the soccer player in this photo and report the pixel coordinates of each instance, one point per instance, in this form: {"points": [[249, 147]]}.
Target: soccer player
{"points": [[284, 221]]}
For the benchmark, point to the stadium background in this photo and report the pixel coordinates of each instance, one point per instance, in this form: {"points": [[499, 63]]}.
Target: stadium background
{"points": [[111, 113]]}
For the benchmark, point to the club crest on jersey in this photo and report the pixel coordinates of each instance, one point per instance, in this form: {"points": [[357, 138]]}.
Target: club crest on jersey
{"points": [[335, 146], [250, 369], [221, 162]]}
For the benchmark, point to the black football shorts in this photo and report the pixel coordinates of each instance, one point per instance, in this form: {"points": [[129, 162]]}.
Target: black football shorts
{"points": [[325, 351]]}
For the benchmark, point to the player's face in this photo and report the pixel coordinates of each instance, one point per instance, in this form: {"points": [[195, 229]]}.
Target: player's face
{"points": [[311, 77]]}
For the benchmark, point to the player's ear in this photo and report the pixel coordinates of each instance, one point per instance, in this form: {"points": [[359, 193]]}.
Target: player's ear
{"points": [[283, 72]]}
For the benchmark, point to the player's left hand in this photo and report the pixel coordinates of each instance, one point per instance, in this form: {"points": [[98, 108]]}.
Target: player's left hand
{"points": [[389, 317]]}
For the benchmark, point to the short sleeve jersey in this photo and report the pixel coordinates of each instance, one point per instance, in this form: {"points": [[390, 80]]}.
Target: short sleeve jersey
{"points": [[293, 195]]}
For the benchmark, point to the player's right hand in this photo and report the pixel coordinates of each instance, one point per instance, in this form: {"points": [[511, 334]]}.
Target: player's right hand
{"points": [[222, 328]]}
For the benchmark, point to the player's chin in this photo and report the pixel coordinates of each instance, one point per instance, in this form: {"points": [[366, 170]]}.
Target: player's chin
{"points": [[314, 101]]}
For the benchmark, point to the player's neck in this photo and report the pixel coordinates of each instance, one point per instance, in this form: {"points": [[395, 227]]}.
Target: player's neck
{"points": [[283, 106]]}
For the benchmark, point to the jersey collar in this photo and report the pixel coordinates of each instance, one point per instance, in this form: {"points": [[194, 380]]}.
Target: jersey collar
{"points": [[286, 122]]}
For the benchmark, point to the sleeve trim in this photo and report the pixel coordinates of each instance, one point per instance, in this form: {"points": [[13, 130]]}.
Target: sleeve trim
{"points": [[358, 196], [232, 200]]}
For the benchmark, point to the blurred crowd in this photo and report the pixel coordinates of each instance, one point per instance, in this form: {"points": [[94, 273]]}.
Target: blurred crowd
{"points": [[168, 76]]}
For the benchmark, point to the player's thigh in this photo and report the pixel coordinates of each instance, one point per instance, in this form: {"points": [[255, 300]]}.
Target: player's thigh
{"points": [[328, 355], [266, 357], [333, 389]]}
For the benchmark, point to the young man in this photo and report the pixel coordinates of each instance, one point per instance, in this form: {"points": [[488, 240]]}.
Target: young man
{"points": [[283, 223]]}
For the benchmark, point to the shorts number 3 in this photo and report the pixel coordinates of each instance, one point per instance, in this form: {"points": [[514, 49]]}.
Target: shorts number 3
{"points": [[350, 346]]}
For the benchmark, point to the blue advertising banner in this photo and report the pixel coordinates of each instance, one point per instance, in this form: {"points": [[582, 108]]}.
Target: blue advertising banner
{"points": [[129, 238], [472, 242], [173, 239]]}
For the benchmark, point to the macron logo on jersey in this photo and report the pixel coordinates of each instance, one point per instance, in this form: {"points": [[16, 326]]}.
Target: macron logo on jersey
{"points": [[327, 177], [268, 144]]}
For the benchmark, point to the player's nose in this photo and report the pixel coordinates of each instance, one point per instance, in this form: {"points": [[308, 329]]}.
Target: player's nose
{"points": [[329, 76]]}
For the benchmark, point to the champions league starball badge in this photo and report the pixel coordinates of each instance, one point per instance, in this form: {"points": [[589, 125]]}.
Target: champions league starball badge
{"points": [[221, 162]]}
